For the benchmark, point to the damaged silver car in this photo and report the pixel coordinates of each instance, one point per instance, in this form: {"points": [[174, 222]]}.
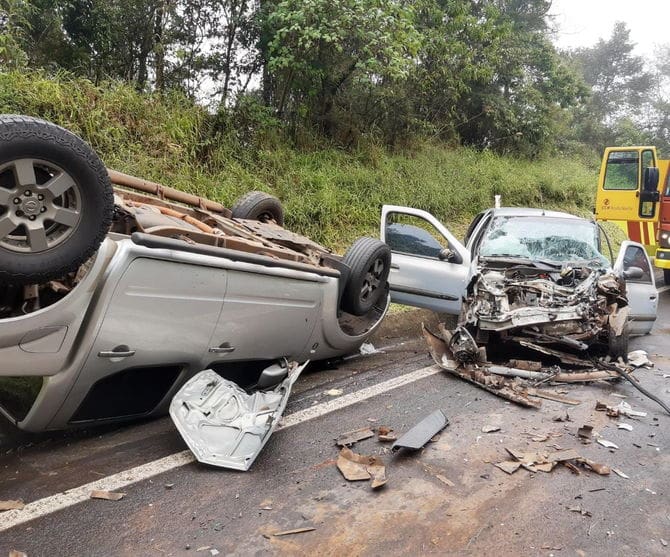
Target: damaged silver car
{"points": [[111, 299], [524, 278]]}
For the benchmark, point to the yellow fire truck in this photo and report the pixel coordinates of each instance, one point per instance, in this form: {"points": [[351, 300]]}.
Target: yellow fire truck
{"points": [[633, 193]]}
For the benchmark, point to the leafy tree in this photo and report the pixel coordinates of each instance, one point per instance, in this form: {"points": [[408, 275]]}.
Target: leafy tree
{"points": [[318, 47], [620, 87], [14, 23]]}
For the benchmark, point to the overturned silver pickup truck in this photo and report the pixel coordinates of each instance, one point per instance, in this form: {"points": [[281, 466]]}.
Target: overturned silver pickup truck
{"points": [[110, 299]]}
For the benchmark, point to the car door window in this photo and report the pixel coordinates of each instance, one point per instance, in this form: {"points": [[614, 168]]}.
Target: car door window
{"points": [[635, 256], [413, 235]]}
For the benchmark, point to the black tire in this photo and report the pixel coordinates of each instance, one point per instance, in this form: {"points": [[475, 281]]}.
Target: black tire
{"points": [[666, 276], [258, 205], [370, 263], [56, 201], [618, 344]]}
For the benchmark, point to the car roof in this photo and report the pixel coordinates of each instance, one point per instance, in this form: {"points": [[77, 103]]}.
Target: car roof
{"points": [[531, 212]]}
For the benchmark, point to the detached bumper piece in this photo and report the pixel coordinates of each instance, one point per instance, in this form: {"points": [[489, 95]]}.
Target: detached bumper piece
{"points": [[225, 426]]}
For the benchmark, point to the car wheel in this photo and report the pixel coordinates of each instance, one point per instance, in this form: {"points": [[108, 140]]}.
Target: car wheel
{"points": [[258, 205], [370, 263], [56, 201], [618, 344], [666, 276]]}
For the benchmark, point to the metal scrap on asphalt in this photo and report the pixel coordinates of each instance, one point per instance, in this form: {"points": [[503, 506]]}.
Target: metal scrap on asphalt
{"points": [[422, 432]]}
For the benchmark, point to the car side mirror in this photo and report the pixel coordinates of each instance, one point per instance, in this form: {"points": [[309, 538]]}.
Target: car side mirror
{"points": [[449, 255], [651, 177], [633, 273]]}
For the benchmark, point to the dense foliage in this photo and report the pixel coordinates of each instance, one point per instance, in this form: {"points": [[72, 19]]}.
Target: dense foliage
{"points": [[331, 194], [482, 73]]}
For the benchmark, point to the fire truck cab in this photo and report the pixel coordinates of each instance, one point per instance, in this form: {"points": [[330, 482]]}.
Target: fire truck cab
{"points": [[633, 193]]}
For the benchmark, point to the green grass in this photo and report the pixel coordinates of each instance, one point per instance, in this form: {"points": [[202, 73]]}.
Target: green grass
{"points": [[330, 194]]}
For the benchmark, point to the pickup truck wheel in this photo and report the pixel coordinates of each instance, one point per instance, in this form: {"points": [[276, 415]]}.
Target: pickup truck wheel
{"points": [[258, 205], [618, 344], [56, 201], [370, 263]]}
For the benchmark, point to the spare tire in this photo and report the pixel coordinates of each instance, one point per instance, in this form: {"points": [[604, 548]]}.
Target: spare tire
{"points": [[258, 205], [370, 262], [56, 201]]}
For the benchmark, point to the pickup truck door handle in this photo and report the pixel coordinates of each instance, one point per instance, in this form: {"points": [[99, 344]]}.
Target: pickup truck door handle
{"points": [[225, 348], [395, 266], [118, 352]]}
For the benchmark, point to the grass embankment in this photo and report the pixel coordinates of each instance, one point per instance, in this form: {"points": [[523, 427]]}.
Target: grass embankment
{"points": [[331, 195]]}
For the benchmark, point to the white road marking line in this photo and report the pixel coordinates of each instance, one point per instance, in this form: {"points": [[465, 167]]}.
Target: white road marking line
{"points": [[663, 288], [121, 480]]}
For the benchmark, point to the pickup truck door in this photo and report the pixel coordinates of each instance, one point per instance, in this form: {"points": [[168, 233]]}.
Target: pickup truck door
{"points": [[429, 266], [642, 293]]}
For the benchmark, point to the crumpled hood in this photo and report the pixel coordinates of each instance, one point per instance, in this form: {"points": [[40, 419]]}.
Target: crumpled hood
{"points": [[525, 297]]}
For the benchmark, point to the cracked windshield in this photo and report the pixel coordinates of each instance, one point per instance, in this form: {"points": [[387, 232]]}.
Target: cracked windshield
{"points": [[542, 239]]}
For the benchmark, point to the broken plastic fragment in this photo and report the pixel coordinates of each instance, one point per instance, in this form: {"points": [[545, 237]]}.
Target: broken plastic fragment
{"points": [[368, 348], [608, 444], [356, 467], [508, 466], [585, 432], [627, 427], [333, 392], [639, 358], [352, 437], [108, 495], [620, 473], [422, 432]]}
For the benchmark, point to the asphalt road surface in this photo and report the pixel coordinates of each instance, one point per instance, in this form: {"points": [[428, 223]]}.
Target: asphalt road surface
{"points": [[447, 499]]}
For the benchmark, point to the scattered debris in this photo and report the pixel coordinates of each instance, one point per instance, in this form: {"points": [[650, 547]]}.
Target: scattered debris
{"points": [[626, 410], [223, 424], [11, 505], [422, 432], [580, 511], [108, 495], [639, 358], [265, 505], [622, 409], [608, 444], [351, 437], [509, 466], [168, 486], [367, 348], [625, 426], [585, 432], [561, 418], [445, 480], [356, 467], [663, 543], [294, 531], [16, 553], [458, 353], [490, 428], [620, 473], [333, 392], [386, 434], [544, 461], [549, 395]]}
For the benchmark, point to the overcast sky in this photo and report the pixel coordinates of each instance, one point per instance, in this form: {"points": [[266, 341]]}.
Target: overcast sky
{"points": [[583, 22]]}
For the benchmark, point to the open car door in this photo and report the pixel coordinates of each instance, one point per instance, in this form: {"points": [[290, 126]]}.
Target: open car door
{"points": [[641, 290], [429, 266]]}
